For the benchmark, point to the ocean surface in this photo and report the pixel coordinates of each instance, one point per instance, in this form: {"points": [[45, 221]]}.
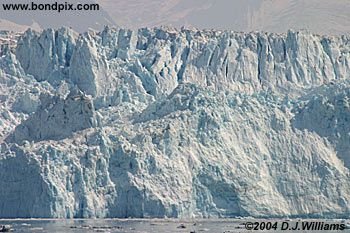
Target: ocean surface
{"points": [[151, 225]]}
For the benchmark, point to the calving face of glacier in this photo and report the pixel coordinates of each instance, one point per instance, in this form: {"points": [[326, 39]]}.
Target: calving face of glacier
{"points": [[174, 123]]}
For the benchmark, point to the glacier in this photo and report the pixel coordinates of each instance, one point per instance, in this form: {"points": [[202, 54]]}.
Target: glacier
{"points": [[179, 123]]}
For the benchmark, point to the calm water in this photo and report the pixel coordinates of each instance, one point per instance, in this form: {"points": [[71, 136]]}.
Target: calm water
{"points": [[138, 226]]}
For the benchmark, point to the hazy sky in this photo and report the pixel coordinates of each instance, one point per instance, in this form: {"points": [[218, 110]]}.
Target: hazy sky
{"points": [[320, 16]]}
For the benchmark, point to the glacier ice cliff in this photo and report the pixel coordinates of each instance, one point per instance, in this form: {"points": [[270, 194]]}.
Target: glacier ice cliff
{"points": [[174, 123]]}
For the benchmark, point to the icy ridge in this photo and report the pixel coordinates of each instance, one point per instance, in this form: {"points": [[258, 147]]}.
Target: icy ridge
{"points": [[163, 58], [174, 123]]}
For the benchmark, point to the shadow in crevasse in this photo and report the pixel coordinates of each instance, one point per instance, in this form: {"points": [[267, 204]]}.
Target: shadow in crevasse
{"points": [[328, 116], [56, 119]]}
